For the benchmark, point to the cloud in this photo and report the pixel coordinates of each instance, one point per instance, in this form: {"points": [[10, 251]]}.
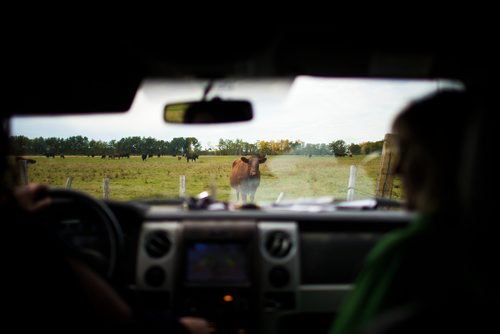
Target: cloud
{"points": [[314, 110]]}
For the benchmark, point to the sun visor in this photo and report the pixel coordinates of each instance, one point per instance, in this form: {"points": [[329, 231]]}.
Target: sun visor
{"points": [[48, 78]]}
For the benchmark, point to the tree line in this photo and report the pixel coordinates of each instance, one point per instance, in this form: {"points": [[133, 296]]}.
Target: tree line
{"points": [[80, 145]]}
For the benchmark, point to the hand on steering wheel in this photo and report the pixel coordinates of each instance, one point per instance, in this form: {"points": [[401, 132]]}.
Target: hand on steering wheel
{"points": [[88, 227]]}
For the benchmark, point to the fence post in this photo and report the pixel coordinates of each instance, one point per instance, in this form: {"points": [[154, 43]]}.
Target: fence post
{"points": [[213, 189], [68, 182], [386, 173], [279, 198], [352, 182], [23, 172], [182, 186], [105, 187]]}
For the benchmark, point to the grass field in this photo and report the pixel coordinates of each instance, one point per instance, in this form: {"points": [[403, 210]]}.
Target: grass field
{"points": [[157, 178]]}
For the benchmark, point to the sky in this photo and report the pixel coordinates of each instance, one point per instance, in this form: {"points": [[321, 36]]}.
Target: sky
{"points": [[313, 110]]}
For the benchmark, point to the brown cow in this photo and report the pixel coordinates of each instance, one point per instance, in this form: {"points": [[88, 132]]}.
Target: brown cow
{"points": [[245, 177]]}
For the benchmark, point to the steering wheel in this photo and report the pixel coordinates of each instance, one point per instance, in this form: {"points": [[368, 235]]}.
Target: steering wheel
{"points": [[88, 228]]}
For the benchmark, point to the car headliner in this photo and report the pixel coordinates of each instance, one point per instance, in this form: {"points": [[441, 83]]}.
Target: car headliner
{"points": [[101, 73]]}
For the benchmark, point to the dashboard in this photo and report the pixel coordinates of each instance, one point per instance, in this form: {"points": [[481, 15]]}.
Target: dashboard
{"points": [[246, 271], [253, 271]]}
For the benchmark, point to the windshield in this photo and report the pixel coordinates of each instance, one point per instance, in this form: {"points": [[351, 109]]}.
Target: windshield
{"points": [[307, 134]]}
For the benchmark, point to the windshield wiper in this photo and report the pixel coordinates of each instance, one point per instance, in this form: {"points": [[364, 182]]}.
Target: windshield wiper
{"points": [[328, 204], [369, 204]]}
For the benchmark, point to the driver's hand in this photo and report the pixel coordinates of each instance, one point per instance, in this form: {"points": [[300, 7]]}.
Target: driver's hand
{"points": [[195, 325], [32, 197]]}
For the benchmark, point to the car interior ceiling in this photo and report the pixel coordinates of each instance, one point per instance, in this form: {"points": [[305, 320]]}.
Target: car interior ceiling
{"points": [[70, 76], [75, 79]]}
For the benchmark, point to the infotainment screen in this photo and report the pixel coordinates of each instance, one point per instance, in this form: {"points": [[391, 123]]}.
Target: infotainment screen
{"points": [[216, 263]]}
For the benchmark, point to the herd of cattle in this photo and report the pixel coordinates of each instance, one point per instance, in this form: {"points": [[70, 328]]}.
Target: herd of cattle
{"points": [[144, 156], [245, 173]]}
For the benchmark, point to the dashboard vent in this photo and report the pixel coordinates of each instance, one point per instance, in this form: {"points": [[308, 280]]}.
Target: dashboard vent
{"points": [[278, 244], [157, 244]]}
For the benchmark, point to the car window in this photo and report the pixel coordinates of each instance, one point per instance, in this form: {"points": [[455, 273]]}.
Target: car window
{"points": [[311, 131]]}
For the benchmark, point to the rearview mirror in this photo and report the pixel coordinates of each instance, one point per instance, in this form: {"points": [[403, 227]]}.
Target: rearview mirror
{"points": [[213, 111]]}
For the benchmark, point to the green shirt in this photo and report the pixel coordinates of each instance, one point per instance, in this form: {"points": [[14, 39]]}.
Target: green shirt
{"points": [[387, 279]]}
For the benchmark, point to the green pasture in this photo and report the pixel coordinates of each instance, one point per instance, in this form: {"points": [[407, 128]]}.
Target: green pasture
{"points": [[157, 178]]}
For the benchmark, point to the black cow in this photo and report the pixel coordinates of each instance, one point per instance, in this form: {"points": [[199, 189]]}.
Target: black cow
{"points": [[191, 156], [50, 155], [144, 156], [62, 156]]}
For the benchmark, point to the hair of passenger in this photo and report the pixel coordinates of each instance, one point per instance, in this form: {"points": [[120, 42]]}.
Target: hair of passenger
{"points": [[436, 124]]}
